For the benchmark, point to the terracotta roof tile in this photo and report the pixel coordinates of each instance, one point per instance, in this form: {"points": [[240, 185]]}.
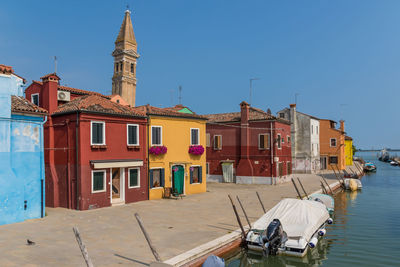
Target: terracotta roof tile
{"points": [[254, 114], [348, 138], [170, 112], [98, 104], [6, 69], [50, 74], [21, 104], [76, 91]]}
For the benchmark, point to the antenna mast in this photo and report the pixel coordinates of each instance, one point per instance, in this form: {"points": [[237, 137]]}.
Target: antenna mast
{"points": [[55, 64], [180, 95]]}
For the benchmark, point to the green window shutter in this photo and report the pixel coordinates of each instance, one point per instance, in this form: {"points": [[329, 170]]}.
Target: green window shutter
{"points": [[200, 174], [191, 176], [151, 178], [162, 177]]}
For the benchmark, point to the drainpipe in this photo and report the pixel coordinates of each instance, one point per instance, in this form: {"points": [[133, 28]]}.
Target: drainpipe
{"points": [[272, 152], [42, 171], [147, 157], [76, 158], [68, 167]]}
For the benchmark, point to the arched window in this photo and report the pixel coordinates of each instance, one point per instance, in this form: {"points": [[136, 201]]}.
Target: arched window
{"points": [[132, 68]]}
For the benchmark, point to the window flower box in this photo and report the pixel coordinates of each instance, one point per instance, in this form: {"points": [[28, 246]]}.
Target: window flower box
{"points": [[158, 150], [196, 150]]}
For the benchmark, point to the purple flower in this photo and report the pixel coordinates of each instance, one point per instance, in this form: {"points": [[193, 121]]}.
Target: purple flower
{"points": [[196, 150], [158, 150]]}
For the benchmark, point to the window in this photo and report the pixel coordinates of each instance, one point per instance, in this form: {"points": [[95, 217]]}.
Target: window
{"points": [[194, 136], [134, 178], [121, 66], [116, 67], [195, 174], [312, 129], [316, 128], [97, 133], [279, 140], [132, 67], [98, 181], [35, 99], [133, 134], [288, 139], [217, 142], [282, 115], [208, 140], [207, 168], [333, 160], [157, 178], [333, 142], [156, 135], [263, 141]]}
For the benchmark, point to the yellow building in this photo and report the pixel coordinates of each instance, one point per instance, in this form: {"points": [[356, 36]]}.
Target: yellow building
{"points": [[348, 150], [171, 132]]}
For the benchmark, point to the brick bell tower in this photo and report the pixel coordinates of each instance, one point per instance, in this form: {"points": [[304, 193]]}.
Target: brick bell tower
{"points": [[125, 57]]}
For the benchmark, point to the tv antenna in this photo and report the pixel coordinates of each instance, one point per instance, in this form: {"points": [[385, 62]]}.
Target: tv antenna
{"points": [[55, 64], [180, 95]]}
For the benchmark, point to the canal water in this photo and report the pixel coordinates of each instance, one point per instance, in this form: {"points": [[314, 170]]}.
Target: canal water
{"points": [[365, 232]]}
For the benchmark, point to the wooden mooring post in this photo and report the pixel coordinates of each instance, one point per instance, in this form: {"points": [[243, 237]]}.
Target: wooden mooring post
{"points": [[238, 218], [330, 189], [302, 187], [82, 247], [244, 212], [297, 190], [153, 249], [262, 205], [323, 189]]}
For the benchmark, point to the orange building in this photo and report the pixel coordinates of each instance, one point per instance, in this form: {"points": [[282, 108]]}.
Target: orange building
{"points": [[332, 146]]}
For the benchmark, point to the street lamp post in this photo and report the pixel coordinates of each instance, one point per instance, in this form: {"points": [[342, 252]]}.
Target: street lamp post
{"points": [[251, 83]]}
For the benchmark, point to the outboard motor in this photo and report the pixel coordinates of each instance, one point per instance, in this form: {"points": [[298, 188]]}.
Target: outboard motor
{"points": [[273, 237]]}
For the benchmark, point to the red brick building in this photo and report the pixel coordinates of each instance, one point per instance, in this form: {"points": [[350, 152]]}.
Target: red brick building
{"points": [[250, 146], [95, 149]]}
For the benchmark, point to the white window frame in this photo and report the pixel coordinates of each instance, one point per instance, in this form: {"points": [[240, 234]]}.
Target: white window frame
{"points": [[104, 181], [129, 178], [201, 173], [207, 168], [279, 143], [265, 148], [330, 142], [38, 98], [159, 168], [217, 148], [91, 133], [151, 135], [127, 134], [198, 136], [288, 139]]}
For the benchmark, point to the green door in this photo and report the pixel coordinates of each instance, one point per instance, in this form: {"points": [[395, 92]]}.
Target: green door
{"points": [[178, 176]]}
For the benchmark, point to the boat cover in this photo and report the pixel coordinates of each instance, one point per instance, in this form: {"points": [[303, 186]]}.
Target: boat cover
{"points": [[299, 218], [326, 199]]}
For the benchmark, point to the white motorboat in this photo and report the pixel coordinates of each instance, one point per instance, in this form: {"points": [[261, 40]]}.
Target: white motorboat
{"points": [[327, 200], [349, 182], [394, 163], [291, 227]]}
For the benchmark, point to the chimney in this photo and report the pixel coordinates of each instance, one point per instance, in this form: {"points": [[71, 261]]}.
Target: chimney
{"points": [[342, 125], [7, 70], [244, 130], [49, 92]]}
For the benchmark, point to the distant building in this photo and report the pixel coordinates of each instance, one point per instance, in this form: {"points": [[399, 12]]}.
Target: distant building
{"points": [[248, 147], [332, 149], [305, 140], [21, 152], [95, 149], [125, 58], [348, 144], [177, 156]]}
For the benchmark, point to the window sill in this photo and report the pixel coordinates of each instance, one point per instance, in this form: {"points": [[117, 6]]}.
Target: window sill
{"points": [[102, 191], [136, 147], [98, 146], [133, 187], [160, 187], [196, 183]]}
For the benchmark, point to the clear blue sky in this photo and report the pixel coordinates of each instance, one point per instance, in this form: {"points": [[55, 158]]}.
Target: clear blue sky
{"points": [[342, 57]]}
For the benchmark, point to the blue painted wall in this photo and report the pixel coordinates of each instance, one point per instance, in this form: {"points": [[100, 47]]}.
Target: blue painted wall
{"points": [[21, 159]]}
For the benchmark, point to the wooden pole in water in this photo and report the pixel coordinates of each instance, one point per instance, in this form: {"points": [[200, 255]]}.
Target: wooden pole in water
{"points": [[244, 212], [155, 253], [238, 218], [330, 189], [82, 247], [262, 205], [323, 189], [297, 190], [302, 187]]}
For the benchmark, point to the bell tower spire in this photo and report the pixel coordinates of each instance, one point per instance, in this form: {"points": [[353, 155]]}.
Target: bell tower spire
{"points": [[125, 58]]}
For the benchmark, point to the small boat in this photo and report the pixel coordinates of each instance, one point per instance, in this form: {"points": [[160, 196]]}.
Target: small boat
{"points": [[291, 227], [327, 200], [352, 184], [214, 261], [369, 167], [394, 163], [384, 156]]}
